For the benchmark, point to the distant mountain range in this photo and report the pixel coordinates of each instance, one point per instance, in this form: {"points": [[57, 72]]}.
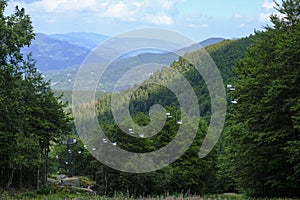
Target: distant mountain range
{"points": [[59, 56], [60, 51], [81, 39]]}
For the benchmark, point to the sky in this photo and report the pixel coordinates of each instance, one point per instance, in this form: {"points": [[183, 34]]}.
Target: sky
{"points": [[196, 19]]}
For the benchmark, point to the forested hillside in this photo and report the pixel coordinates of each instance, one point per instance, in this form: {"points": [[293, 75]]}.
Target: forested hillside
{"points": [[257, 154], [225, 54], [189, 173]]}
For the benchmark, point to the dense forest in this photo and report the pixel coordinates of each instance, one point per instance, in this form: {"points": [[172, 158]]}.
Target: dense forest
{"points": [[189, 174], [258, 153], [32, 117]]}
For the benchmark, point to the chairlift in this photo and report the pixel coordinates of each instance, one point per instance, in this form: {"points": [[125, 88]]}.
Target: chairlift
{"points": [[229, 86], [235, 101]]}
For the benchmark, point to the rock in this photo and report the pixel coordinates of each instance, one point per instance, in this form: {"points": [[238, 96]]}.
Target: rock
{"points": [[88, 190], [60, 177], [71, 181], [52, 180]]}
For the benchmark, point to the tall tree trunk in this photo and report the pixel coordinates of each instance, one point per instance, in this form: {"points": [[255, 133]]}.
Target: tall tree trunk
{"points": [[21, 178], [46, 167], [38, 179], [11, 176], [2, 178], [105, 179]]}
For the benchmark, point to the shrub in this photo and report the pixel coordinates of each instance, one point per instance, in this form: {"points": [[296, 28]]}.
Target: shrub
{"points": [[85, 181], [48, 189], [27, 195]]}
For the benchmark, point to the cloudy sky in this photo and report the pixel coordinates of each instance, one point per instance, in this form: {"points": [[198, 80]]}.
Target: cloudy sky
{"points": [[197, 19]]}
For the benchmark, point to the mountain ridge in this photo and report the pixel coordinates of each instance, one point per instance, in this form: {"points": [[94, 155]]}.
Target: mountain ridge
{"points": [[61, 51], [59, 56]]}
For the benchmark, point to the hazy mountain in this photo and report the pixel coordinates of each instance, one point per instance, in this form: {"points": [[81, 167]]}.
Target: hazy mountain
{"points": [[61, 51], [211, 41], [81, 39], [59, 56], [53, 54], [195, 47], [63, 79]]}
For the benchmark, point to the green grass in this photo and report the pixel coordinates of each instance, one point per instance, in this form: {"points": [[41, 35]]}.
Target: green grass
{"points": [[34, 196], [80, 196]]}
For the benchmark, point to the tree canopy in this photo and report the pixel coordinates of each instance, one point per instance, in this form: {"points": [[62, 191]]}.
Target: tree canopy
{"points": [[258, 153], [31, 116], [263, 133]]}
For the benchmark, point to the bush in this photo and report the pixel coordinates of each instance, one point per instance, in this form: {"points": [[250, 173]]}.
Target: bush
{"points": [[85, 181], [3, 194], [27, 195], [48, 189]]}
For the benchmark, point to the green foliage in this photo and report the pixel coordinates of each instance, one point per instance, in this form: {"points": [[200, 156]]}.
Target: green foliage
{"points": [[189, 174], [122, 196], [263, 137], [27, 195], [31, 98], [31, 116], [258, 153], [86, 181], [55, 189], [47, 189]]}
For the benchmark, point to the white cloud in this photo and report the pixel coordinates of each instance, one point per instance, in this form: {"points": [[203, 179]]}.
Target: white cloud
{"points": [[237, 16], [204, 25], [119, 10], [159, 19], [268, 5], [51, 21], [264, 16], [150, 11], [57, 6], [169, 4]]}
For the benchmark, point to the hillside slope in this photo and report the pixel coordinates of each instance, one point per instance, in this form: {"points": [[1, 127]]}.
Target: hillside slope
{"points": [[225, 55], [199, 175]]}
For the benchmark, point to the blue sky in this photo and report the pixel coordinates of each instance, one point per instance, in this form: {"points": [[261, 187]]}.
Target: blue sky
{"points": [[196, 19]]}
